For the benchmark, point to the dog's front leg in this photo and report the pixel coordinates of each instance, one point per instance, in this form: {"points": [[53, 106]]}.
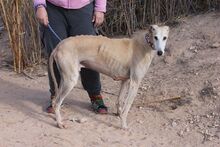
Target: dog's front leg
{"points": [[132, 91], [121, 97]]}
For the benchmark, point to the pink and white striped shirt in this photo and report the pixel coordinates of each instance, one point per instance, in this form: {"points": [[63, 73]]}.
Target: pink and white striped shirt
{"points": [[100, 5]]}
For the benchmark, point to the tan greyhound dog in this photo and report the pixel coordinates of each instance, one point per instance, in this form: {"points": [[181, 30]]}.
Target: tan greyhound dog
{"points": [[124, 59]]}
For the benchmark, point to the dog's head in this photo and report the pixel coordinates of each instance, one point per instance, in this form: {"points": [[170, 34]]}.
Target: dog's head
{"points": [[159, 36]]}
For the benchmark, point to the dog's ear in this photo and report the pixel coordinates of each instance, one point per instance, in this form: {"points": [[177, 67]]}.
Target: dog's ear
{"points": [[167, 28], [153, 28]]}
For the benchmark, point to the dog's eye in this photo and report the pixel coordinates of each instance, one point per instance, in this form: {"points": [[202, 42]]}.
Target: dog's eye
{"points": [[164, 38], [155, 37]]}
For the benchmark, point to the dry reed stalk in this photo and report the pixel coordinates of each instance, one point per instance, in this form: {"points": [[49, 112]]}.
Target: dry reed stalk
{"points": [[3, 12], [22, 31]]}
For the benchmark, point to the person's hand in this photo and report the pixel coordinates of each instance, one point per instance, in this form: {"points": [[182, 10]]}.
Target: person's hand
{"points": [[41, 15], [98, 18]]}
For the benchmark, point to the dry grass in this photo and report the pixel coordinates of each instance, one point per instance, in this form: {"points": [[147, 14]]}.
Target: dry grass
{"points": [[22, 32], [125, 16]]}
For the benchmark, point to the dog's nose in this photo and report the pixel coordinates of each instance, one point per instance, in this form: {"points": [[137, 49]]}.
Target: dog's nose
{"points": [[159, 53]]}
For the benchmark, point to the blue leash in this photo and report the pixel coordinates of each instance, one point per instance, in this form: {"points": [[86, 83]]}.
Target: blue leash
{"points": [[54, 33]]}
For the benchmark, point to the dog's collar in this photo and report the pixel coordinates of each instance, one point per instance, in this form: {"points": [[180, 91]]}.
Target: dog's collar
{"points": [[147, 38]]}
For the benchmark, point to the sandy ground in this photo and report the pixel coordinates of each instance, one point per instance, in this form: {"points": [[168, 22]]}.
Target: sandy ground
{"points": [[178, 103]]}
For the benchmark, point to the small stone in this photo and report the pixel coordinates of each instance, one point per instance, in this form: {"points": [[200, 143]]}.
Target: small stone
{"points": [[208, 116], [73, 119], [196, 118], [79, 120], [215, 125], [187, 129], [191, 121], [195, 51], [82, 120], [215, 45], [164, 92], [104, 139], [180, 133], [42, 74], [140, 121], [213, 114], [173, 124], [210, 138], [140, 108], [143, 88], [192, 47]]}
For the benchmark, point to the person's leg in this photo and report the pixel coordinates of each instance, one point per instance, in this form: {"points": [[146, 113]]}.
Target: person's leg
{"points": [[58, 23], [80, 23]]}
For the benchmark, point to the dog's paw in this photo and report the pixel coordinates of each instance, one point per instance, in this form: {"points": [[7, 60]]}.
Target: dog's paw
{"points": [[124, 127]]}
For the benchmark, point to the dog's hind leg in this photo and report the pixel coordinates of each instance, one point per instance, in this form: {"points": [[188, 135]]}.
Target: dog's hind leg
{"points": [[132, 91], [66, 86], [121, 97], [68, 81]]}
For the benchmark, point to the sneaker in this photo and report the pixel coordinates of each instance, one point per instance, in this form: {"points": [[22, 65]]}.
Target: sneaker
{"points": [[98, 104]]}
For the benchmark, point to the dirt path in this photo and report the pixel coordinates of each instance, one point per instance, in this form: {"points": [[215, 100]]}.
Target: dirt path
{"points": [[189, 75]]}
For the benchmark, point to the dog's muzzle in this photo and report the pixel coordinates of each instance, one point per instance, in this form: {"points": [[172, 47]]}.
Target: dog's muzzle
{"points": [[159, 53]]}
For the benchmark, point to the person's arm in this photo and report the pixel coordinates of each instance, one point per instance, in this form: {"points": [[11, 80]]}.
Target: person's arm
{"points": [[100, 9], [41, 13], [39, 2], [100, 5]]}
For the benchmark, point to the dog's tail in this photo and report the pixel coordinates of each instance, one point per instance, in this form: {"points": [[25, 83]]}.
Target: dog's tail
{"points": [[51, 70]]}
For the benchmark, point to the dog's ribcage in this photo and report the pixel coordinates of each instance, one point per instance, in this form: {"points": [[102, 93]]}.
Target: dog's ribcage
{"points": [[113, 61]]}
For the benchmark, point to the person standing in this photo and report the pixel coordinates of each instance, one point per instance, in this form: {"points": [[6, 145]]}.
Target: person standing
{"points": [[71, 18]]}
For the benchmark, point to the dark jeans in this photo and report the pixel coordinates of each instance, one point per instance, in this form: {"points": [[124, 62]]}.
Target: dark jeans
{"points": [[66, 23]]}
